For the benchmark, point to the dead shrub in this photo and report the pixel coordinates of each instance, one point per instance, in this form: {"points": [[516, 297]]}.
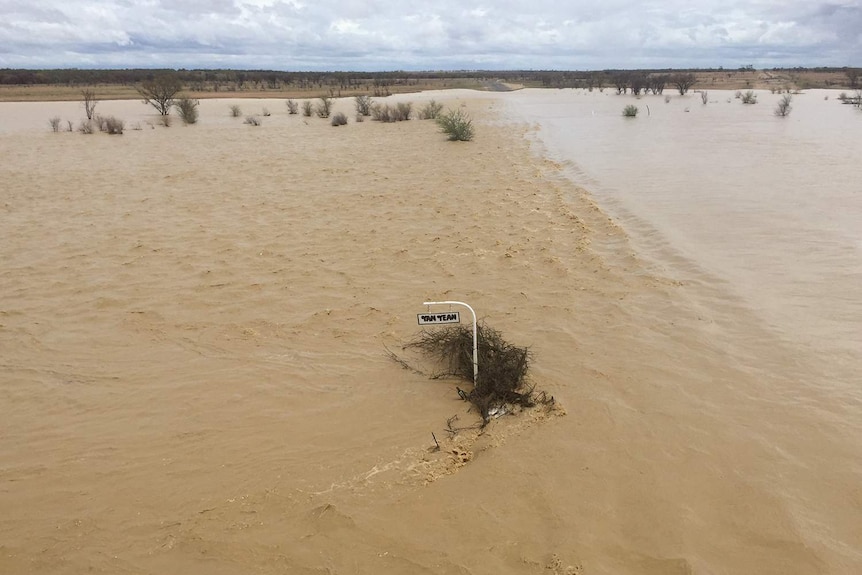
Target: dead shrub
{"points": [[114, 125], [502, 383], [363, 105], [324, 107], [187, 110], [252, 121], [292, 107], [85, 127], [339, 119], [235, 111], [403, 111], [382, 113], [55, 124], [307, 109]]}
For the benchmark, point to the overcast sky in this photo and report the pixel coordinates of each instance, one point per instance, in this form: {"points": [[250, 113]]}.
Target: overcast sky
{"points": [[440, 34]]}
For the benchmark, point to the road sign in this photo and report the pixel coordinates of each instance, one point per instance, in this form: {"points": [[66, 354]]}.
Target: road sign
{"points": [[438, 318], [475, 332]]}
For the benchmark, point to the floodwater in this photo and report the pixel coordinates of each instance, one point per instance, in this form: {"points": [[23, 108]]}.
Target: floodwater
{"points": [[770, 207], [195, 324]]}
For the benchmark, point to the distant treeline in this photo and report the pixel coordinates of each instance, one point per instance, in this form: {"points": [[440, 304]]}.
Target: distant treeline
{"points": [[208, 80]]}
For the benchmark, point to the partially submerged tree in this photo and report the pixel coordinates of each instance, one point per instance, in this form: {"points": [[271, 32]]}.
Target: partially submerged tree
{"points": [[160, 91], [89, 99], [684, 82]]}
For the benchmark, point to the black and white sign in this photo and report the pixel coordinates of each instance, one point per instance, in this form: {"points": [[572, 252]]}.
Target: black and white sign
{"points": [[439, 318]]}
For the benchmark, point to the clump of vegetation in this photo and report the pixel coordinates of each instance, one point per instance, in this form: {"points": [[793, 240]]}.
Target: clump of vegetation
{"points": [[307, 109], [749, 97], [235, 111], [339, 119], [630, 111], [165, 121], [324, 107], [457, 125], [55, 124], [86, 127], [502, 382], [266, 113], [252, 121], [403, 111], [113, 125], [667, 99], [363, 105], [382, 113], [783, 108], [292, 107], [704, 97], [431, 110], [187, 110]]}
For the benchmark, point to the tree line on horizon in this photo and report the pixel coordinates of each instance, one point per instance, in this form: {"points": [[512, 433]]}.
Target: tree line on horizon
{"points": [[205, 80]]}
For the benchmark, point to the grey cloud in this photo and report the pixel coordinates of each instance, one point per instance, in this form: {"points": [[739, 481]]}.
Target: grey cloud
{"points": [[373, 34]]}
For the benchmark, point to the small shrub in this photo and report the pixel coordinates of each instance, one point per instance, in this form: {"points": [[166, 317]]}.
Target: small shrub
{"points": [[114, 125], [430, 111], [324, 107], [360, 118], [69, 127], [738, 95], [363, 105], [403, 111], [266, 113], [630, 111], [85, 127], [749, 97], [783, 108], [252, 121], [187, 110], [99, 121], [842, 96], [339, 119], [55, 123], [382, 113], [292, 107], [457, 125], [307, 109], [235, 111], [165, 121], [704, 97], [667, 99]]}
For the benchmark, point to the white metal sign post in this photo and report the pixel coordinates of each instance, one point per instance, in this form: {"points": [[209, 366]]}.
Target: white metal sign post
{"points": [[453, 317]]}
